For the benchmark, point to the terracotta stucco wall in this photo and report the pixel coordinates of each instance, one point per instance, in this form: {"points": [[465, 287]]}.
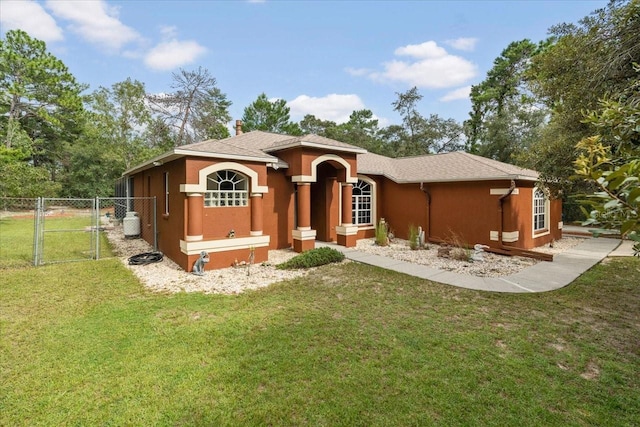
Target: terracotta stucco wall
{"points": [[466, 211], [300, 161], [401, 205], [522, 208], [150, 183], [278, 208]]}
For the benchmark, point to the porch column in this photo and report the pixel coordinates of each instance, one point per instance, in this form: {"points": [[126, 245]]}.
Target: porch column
{"points": [[304, 237], [256, 214], [195, 208], [347, 209], [346, 231]]}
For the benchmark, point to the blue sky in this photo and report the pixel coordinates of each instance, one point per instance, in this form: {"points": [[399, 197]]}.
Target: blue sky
{"points": [[326, 58]]}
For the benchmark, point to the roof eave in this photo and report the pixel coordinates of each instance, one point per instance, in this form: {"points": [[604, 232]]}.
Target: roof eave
{"points": [[209, 155], [446, 180], [355, 150], [156, 161], [177, 153]]}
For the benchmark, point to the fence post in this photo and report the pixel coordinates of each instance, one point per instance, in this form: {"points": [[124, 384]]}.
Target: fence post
{"points": [[36, 231], [96, 205]]}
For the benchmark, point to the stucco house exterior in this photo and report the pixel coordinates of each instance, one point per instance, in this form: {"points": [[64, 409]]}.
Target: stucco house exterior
{"points": [[260, 191]]}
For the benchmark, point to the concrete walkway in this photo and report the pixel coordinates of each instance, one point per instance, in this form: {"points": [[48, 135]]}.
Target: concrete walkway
{"points": [[542, 277]]}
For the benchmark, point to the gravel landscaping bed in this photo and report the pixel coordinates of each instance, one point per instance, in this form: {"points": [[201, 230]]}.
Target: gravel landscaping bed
{"points": [[167, 276], [493, 265]]}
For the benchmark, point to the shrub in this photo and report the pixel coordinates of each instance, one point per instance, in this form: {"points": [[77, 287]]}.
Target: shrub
{"points": [[312, 258], [413, 237], [460, 251], [382, 234]]}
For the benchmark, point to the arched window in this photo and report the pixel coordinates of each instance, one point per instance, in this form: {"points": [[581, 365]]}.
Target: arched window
{"points": [[540, 207], [361, 203], [226, 188]]}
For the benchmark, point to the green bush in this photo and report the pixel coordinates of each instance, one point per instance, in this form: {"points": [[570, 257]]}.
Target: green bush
{"points": [[312, 258], [382, 234], [413, 237]]}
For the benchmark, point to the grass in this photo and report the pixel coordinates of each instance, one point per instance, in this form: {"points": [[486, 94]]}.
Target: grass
{"points": [[85, 344], [16, 242], [65, 239]]}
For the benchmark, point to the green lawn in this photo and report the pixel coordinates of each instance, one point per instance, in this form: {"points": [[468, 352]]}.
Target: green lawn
{"points": [[85, 344], [65, 239], [16, 242]]}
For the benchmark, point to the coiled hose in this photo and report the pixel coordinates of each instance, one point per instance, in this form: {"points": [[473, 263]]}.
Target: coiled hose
{"points": [[146, 258]]}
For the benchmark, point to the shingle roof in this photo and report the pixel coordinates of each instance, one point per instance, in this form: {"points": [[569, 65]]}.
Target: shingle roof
{"points": [[226, 148], [455, 166], [266, 142], [315, 141], [263, 147]]}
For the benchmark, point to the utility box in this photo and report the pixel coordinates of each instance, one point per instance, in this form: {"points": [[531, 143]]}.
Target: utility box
{"points": [[131, 225]]}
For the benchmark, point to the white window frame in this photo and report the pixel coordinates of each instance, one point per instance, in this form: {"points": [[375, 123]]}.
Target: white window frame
{"points": [[166, 193], [236, 196], [540, 211], [358, 199]]}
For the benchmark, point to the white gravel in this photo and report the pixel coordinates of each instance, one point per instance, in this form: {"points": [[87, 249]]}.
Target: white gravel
{"points": [[168, 277], [492, 265]]}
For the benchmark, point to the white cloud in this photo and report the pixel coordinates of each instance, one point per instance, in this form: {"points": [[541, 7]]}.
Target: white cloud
{"points": [[428, 49], [463, 43], [173, 54], [168, 31], [95, 21], [433, 67], [357, 71], [332, 107], [29, 16], [454, 95]]}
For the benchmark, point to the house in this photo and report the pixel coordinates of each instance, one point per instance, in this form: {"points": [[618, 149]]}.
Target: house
{"points": [[258, 191]]}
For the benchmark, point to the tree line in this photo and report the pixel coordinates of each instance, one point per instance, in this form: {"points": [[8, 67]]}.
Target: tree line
{"points": [[566, 106]]}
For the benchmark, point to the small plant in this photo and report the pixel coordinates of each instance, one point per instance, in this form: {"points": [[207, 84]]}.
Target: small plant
{"points": [[312, 258], [460, 251], [414, 242], [382, 233]]}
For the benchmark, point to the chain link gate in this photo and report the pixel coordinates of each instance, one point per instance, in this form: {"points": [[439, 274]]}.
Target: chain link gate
{"points": [[66, 230], [75, 229]]}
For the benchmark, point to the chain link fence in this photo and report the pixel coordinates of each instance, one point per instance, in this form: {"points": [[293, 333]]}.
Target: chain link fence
{"points": [[51, 230]]}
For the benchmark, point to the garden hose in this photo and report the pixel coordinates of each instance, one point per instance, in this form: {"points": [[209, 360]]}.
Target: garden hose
{"points": [[146, 258]]}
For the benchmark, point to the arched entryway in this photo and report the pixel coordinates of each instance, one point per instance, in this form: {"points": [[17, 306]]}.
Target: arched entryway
{"points": [[325, 202]]}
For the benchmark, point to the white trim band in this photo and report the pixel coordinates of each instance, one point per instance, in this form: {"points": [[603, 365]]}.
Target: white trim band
{"points": [[347, 230], [303, 234], [510, 236], [503, 191], [223, 245], [201, 186]]}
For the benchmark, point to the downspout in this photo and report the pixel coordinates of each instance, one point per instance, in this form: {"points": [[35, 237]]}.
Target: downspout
{"points": [[501, 211], [428, 196]]}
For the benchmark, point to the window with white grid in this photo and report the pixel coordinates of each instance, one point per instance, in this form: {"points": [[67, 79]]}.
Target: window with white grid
{"points": [[226, 188], [540, 214], [361, 203]]}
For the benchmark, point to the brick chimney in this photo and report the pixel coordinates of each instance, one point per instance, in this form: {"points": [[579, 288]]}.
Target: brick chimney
{"points": [[238, 127]]}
